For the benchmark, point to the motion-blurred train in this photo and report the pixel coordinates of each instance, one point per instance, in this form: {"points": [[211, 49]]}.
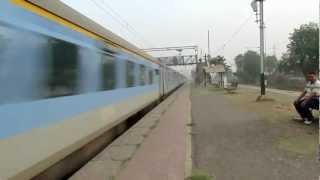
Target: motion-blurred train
{"points": [[64, 81]]}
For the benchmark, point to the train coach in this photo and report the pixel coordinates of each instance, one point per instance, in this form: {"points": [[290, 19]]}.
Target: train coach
{"points": [[64, 82]]}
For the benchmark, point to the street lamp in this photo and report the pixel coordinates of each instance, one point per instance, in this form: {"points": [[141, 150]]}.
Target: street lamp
{"points": [[254, 5]]}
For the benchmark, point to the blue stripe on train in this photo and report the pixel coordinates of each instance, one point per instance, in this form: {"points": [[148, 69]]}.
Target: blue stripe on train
{"points": [[22, 117]]}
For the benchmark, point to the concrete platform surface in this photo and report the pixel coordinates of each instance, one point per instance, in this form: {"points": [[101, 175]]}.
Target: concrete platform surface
{"points": [[163, 154], [154, 148]]}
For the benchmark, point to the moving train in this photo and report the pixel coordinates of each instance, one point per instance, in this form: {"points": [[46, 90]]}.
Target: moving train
{"points": [[64, 81]]}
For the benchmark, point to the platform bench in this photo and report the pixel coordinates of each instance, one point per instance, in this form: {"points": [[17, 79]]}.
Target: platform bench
{"points": [[232, 87]]}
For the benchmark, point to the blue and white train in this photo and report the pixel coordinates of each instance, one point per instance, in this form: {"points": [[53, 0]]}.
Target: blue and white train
{"points": [[64, 81]]}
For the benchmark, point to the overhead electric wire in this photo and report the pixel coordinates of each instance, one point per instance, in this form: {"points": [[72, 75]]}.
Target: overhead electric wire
{"points": [[122, 22], [235, 33], [106, 12], [128, 25]]}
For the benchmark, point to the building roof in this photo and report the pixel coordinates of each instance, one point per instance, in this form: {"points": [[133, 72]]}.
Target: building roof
{"points": [[215, 69]]}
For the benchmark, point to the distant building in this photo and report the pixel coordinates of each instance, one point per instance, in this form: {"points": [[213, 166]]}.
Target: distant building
{"points": [[217, 74]]}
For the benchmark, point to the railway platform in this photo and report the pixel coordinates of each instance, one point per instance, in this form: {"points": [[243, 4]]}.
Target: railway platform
{"points": [[157, 147], [238, 138]]}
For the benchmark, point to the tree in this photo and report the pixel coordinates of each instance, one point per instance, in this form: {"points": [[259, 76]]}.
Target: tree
{"points": [[217, 60], [220, 60], [287, 66], [303, 49], [271, 64], [248, 66], [239, 62]]}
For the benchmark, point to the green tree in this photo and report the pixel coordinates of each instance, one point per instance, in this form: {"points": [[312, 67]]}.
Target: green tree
{"points": [[239, 62], [303, 49], [271, 64], [248, 66], [286, 65], [220, 60]]}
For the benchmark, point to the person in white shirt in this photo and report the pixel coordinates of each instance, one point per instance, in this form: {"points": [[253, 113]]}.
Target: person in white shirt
{"points": [[309, 99]]}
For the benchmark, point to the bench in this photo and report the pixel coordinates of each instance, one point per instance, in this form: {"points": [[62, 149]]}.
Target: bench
{"points": [[230, 88]]}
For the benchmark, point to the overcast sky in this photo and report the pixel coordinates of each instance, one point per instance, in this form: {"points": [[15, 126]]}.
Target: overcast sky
{"points": [[161, 23]]}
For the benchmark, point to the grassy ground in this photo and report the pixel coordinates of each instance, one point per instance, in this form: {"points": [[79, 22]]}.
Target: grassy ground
{"points": [[200, 175], [214, 88], [296, 138]]}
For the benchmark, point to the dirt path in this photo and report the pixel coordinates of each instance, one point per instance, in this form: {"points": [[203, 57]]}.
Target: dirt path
{"points": [[235, 140]]}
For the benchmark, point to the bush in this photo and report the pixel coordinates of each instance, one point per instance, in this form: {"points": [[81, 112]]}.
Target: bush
{"points": [[286, 82]]}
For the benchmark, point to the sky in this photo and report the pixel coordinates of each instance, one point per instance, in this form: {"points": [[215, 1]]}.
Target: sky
{"points": [[163, 23]]}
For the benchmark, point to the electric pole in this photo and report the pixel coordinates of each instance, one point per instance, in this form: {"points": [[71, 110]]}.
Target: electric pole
{"points": [[208, 48], [262, 43], [209, 42], [263, 85]]}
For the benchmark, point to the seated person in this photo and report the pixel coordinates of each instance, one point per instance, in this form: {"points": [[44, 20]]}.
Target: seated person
{"points": [[309, 99]]}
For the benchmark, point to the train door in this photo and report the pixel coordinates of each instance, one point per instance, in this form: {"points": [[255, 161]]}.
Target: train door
{"points": [[162, 80]]}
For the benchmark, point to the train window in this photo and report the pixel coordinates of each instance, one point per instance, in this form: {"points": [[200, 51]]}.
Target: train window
{"points": [[63, 69], [150, 76], [24, 59], [108, 66], [130, 74], [142, 75]]}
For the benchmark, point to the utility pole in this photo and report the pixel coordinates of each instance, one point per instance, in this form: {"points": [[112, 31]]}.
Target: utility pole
{"points": [[263, 85], [208, 55], [319, 77], [262, 43], [208, 42]]}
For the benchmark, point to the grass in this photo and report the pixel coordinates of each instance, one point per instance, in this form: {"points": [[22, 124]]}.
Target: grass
{"points": [[200, 175], [298, 145], [275, 107], [214, 88], [294, 138]]}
